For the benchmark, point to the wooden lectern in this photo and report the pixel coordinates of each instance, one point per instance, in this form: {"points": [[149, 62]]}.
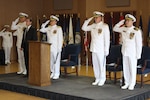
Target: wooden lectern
{"points": [[39, 63]]}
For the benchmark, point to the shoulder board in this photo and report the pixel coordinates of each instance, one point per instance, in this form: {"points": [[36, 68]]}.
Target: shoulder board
{"points": [[136, 28]]}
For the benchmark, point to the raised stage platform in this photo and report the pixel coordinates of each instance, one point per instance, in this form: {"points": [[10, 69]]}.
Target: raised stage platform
{"points": [[73, 88]]}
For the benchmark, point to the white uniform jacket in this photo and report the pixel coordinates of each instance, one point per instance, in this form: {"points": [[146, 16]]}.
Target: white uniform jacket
{"points": [[131, 40], [54, 36], [7, 39], [19, 32], [100, 36]]}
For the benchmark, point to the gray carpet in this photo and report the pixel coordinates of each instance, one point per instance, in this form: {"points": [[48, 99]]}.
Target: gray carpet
{"points": [[81, 86]]}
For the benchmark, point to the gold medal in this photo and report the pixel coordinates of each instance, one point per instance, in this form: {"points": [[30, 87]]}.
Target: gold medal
{"points": [[99, 31], [54, 31], [131, 35]]}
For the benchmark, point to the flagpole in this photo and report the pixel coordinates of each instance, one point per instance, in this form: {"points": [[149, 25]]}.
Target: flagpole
{"points": [[148, 34], [38, 27], [112, 33], [86, 50], [120, 36], [71, 40]]}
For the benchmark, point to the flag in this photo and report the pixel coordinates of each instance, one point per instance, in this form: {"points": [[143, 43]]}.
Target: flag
{"points": [[112, 35], [148, 35], [121, 16], [71, 40], [141, 23], [67, 28], [78, 25], [77, 31], [120, 37], [64, 24], [86, 43], [38, 27], [64, 29]]}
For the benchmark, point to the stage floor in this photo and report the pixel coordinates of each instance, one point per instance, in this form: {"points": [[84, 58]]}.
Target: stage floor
{"points": [[79, 88]]}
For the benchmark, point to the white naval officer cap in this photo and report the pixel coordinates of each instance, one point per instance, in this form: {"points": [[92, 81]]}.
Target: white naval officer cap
{"points": [[21, 14], [97, 14], [52, 17], [131, 17]]}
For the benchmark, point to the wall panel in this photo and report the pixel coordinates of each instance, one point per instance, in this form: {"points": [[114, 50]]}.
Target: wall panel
{"points": [[9, 10]]}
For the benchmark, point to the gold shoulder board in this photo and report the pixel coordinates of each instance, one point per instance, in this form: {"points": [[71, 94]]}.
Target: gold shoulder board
{"points": [[136, 28]]}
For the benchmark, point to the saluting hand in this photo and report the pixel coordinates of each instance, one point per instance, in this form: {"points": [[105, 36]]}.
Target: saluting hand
{"points": [[121, 22], [90, 18], [44, 24], [16, 20]]}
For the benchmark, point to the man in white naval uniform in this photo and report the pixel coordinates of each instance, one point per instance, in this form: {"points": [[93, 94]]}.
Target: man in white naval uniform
{"points": [[19, 25], [55, 37], [100, 42], [7, 42], [131, 49]]}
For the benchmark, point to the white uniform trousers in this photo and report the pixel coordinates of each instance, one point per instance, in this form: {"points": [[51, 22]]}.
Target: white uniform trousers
{"points": [[21, 60], [129, 70], [99, 62], [55, 63], [7, 51]]}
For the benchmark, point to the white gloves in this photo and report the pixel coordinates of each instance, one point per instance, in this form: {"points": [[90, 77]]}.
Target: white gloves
{"points": [[43, 29], [85, 24], [44, 24], [16, 21], [3, 29], [120, 23], [89, 19]]}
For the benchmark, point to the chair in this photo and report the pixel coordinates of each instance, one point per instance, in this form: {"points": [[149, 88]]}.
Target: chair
{"points": [[69, 58], [2, 57], [114, 61], [144, 62]]}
